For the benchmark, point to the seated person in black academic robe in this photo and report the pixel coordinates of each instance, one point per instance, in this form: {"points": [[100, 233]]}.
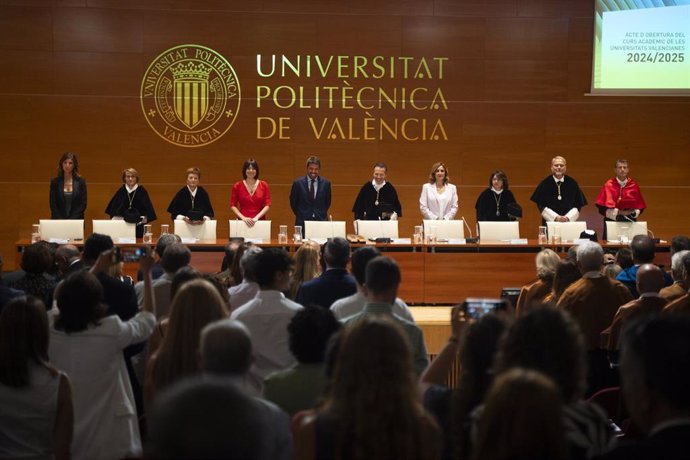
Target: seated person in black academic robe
{"points": [[192, 203], [492, 203], [377, 200], [558, 196], [131, 202]]}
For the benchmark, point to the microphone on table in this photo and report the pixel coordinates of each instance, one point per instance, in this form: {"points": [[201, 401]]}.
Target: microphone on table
{"points": [[471, 239]]}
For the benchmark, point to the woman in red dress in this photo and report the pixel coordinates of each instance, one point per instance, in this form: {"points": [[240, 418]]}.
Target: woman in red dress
{"points": [[250, 198]]}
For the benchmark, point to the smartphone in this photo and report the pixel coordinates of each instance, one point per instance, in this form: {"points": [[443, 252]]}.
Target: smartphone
{"points": [[131, 254], [475, 308]]}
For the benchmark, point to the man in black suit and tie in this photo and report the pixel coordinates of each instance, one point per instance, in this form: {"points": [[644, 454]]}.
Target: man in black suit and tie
{"points": [[655, 377], [310, 196]]}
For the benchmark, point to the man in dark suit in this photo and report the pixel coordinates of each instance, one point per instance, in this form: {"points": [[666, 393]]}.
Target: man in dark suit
{"points": [[335, 282], [310, 196], [655, 373]]}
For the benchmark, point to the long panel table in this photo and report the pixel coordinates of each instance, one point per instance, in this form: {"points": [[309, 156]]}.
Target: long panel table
{"points": [[431, 274]]}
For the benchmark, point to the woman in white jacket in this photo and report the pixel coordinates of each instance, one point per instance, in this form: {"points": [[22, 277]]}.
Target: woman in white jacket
{"points": [[88, 346], [439, 199]]}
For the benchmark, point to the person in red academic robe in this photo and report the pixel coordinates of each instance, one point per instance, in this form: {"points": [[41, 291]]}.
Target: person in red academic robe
{"points": [[620, 198]]}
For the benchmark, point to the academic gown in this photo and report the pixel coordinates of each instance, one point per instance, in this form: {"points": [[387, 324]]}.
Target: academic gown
{"points": [[182, 203], [626, 198], [140, 201], [546, 195], [486, 205], [365, 207]]}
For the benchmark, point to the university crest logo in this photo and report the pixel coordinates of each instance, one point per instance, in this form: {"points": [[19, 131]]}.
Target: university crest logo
{"points": [[190, 95]]}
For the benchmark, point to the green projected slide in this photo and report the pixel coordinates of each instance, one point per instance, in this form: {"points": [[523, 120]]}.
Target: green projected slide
{"points": [[642, 47]]}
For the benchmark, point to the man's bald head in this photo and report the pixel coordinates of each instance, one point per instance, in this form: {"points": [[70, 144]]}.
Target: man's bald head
{"points": [[650, 278]]}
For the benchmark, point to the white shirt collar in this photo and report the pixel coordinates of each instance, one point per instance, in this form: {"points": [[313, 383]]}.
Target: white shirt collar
{"points": [[193, 192], [376, 186], [130, 190], [622, 182], [497, 192], [562, 179]]}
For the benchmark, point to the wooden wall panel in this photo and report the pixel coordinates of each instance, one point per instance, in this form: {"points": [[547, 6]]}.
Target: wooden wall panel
{"points": [[515, 86]]}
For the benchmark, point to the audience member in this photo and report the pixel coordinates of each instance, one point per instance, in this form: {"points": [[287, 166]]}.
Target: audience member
{"points": [[522, 419], [119, 297], [548, 341], [354, 304], [163, 242], [236, 274], [380, 288], [682, 303], [650, 280], [547, 262], [299, 387], [642, 247], [474, 344], [655, 369], [307, 266], [37, 415], [624, 258], [226, 352], [372, 409], [335, 282], [611, 270], [247, 290], [678, 288], [36, 261], [195, 305], [592, 302], [6, 293], [566, 274], [176, 256], [268, 315], [182, 276], [224, 275], [87, 345], [207, 418], [68, 260], [679, 243]]}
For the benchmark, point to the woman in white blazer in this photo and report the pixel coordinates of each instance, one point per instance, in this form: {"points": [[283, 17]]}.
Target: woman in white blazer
{"points": [[439, 199], [88, 347]]}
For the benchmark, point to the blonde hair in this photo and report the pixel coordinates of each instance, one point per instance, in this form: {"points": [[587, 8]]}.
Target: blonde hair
{"points": [[307, 266], [196, 304]]}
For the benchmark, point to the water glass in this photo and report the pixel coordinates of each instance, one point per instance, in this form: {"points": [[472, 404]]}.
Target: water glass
{"points": [[418, 236], [282, 234], [431, 235], [35, 233], [165, 229], [541, 238], [297, 237], [148, 234]]}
